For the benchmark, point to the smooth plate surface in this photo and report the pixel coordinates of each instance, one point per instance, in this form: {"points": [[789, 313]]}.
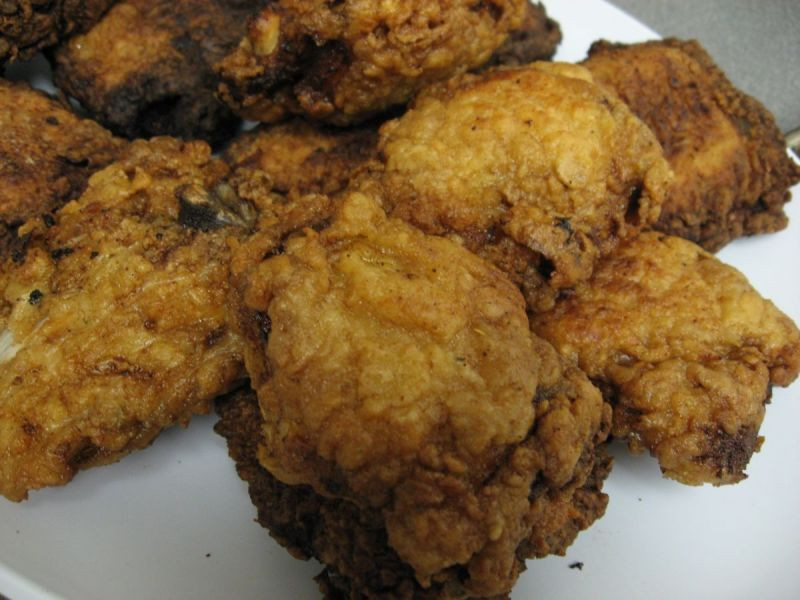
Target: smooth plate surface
{"points": [[175, 522]]}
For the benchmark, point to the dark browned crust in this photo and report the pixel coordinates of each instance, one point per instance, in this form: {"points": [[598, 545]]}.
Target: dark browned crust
{"points": [[27, 26], [47, 155], [304, 157], [352, 541], [172, 96], [675, 95], [537, 39]]}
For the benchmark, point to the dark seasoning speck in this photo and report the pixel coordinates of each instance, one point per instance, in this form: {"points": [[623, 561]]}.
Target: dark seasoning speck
{"points": [[576, 565]]}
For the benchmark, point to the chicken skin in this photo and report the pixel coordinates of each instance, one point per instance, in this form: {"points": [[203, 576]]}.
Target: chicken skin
{"points": [[27, 26], [114, 318], [537, 169], [146, 68], [303, 157], [352, 542], [732, 173], [396, 375], [345, 62], [47, 154], [684, 348]]}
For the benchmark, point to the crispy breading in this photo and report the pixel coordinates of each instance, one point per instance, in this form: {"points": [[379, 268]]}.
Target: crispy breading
{"points": [[537, 169], [303, 157], [114, 320], [396, 371], [27, 26], [732, 171], [344, 62], [352, 541], [146, 68], [686, 350], [535, 39], [47, 154]]}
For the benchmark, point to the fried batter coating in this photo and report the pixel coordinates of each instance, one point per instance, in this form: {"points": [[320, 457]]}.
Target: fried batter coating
{"points": [[537, 169], [343, 62], [352, 541], [304, 157], [146, 68], [396, 375], [47, 154], [114, 322], [536, 39], [685, 348], [732, 171], [27, 26]]}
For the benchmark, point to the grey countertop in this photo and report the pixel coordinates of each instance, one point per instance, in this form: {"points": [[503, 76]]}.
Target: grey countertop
{"points": [[756, 43]]}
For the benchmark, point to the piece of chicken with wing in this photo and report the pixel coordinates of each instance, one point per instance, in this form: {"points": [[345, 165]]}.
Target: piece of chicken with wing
{"points": [[537, 169], [114, 317], [343, 62], [398, 379], [732, 173], [685, 349]]}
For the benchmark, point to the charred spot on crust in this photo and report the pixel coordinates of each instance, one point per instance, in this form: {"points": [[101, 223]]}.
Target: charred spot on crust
{"points": [[214, 336], [545, 268], [264, 325], [60, 253], [634, 204], [206, 210], [35, 297], [730, 453]]}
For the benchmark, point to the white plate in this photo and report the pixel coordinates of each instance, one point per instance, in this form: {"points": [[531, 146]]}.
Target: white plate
{"points": [[175, 522]]}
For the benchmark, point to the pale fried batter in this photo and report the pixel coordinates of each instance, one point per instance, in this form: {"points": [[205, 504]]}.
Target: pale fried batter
{"points": [[114, 322], [395, 371], [46, 154], [684, 347], [732, 171], [343, 62], [537, 169], [27, 26], [146, 68]]}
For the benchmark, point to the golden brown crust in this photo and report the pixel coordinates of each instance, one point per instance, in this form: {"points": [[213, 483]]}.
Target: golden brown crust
{"points": [[27, 26], [47, 153], [395, 371], [537, 169], [352, 542], [343, 62], [114, 319], [729, 157], [686, 349], [146, 68]]}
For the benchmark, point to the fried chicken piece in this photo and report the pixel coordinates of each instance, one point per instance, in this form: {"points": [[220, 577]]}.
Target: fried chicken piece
{"points": [[114, 322], [732, 171], [146, 68], [47, 154], [537, 169], [536, 39], [686, 350], [304, 157], [398, 379], [344, 62], [352, 542], [27, 26]]}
